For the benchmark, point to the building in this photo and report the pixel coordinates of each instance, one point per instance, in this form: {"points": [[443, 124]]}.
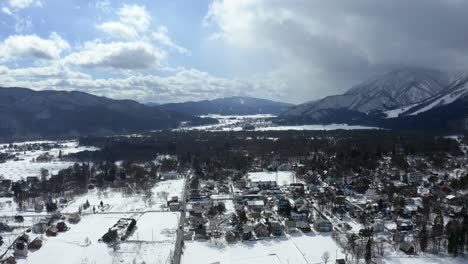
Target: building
{"points": [[407, 248], [276, 229], [290, 226], [256, 205], [323, 225], [169, 175], [299, 216], [261, 230], [174, 207], [35, 244]]}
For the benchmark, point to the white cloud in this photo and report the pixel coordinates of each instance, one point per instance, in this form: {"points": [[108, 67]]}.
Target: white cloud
{"points": [[21, 4], [33, 46], [37, 73], [103, 5], [182, 85], [23, 24], [119, 55], [136, 16], [118, 30], [161, 35], [7, 11]]}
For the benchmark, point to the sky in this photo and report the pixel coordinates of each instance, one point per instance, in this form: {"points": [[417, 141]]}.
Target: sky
{"points": [[179, 50]]}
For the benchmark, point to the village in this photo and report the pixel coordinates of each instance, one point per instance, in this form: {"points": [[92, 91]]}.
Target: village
{"points": [[278, 211]]}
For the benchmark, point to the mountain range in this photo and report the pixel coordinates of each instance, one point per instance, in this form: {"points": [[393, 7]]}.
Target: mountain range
{"points": [[404, 98], [29, 113], [229, 106]]}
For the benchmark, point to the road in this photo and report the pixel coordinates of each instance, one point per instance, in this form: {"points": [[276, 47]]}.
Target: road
{"points": [[180, 230]]}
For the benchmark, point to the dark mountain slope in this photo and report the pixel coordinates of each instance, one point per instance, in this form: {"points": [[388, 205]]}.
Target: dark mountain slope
{"points": [[229, 106], [25, 112]]}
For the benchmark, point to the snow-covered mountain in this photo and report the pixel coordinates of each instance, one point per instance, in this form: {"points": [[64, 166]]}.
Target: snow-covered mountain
{"points": [[453, 92], [391, 90], [404, 99]]}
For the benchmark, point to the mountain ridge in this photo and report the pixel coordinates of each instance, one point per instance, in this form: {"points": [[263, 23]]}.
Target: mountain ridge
{"points": [[235, 105]]}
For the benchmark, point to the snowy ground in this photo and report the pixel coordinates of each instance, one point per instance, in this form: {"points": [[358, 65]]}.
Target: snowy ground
{"points": [[153, 240], [119, 202], [16, 170], [314, 127], [261, 123], [81, 243], [401, 258], [282, 177], [297, 249]]}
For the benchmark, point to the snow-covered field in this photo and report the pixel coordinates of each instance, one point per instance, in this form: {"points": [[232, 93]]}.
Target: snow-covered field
{"points": [[235, 123], [153, 240], [16, 170], [281, 177], [156, 239], [298, 249], [314, 127]]}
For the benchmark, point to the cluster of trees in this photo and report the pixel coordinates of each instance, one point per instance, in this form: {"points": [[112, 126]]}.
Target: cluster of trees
{"points": [[339, 152]]}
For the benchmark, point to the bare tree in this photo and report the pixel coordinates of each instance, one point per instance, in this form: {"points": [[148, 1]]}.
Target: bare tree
{"points": [[325, 257]]}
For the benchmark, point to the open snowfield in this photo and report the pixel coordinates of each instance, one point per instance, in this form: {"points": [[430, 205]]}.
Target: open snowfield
{"points": [[235, 123], [401, 258], [156, 227], [17, 170], [80, 244], [284, 177], [152, 241], [119, 202], [300, 249]]}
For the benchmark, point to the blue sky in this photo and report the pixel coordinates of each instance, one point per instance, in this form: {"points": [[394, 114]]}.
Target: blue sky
{"points": [[179, 50]]}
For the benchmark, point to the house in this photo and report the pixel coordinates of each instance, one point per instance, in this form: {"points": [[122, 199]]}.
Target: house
{"points": [[62, 227], [340, 261], [52, 231], [303, 226], [38, 207], [323, 225], [11, 260], [188, 235], [230, 237], [299, 216], [264, 185], [40, 227], [256, 205], [414, 177], [290, 226], [261, 230], [246, 234], [35, 244], [407, 248], [174, 207], [404, 225], [74, 218], [24, 238], [283, 203], [200, 233], [276, 229], [32, 180], [20, 249], [169, 175], [197, 220]]}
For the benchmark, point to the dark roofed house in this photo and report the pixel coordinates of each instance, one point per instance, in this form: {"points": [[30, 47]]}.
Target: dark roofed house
{"points": [[276, 229], [52, 231], [323, 225], [407, 248], [35, 244]]}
